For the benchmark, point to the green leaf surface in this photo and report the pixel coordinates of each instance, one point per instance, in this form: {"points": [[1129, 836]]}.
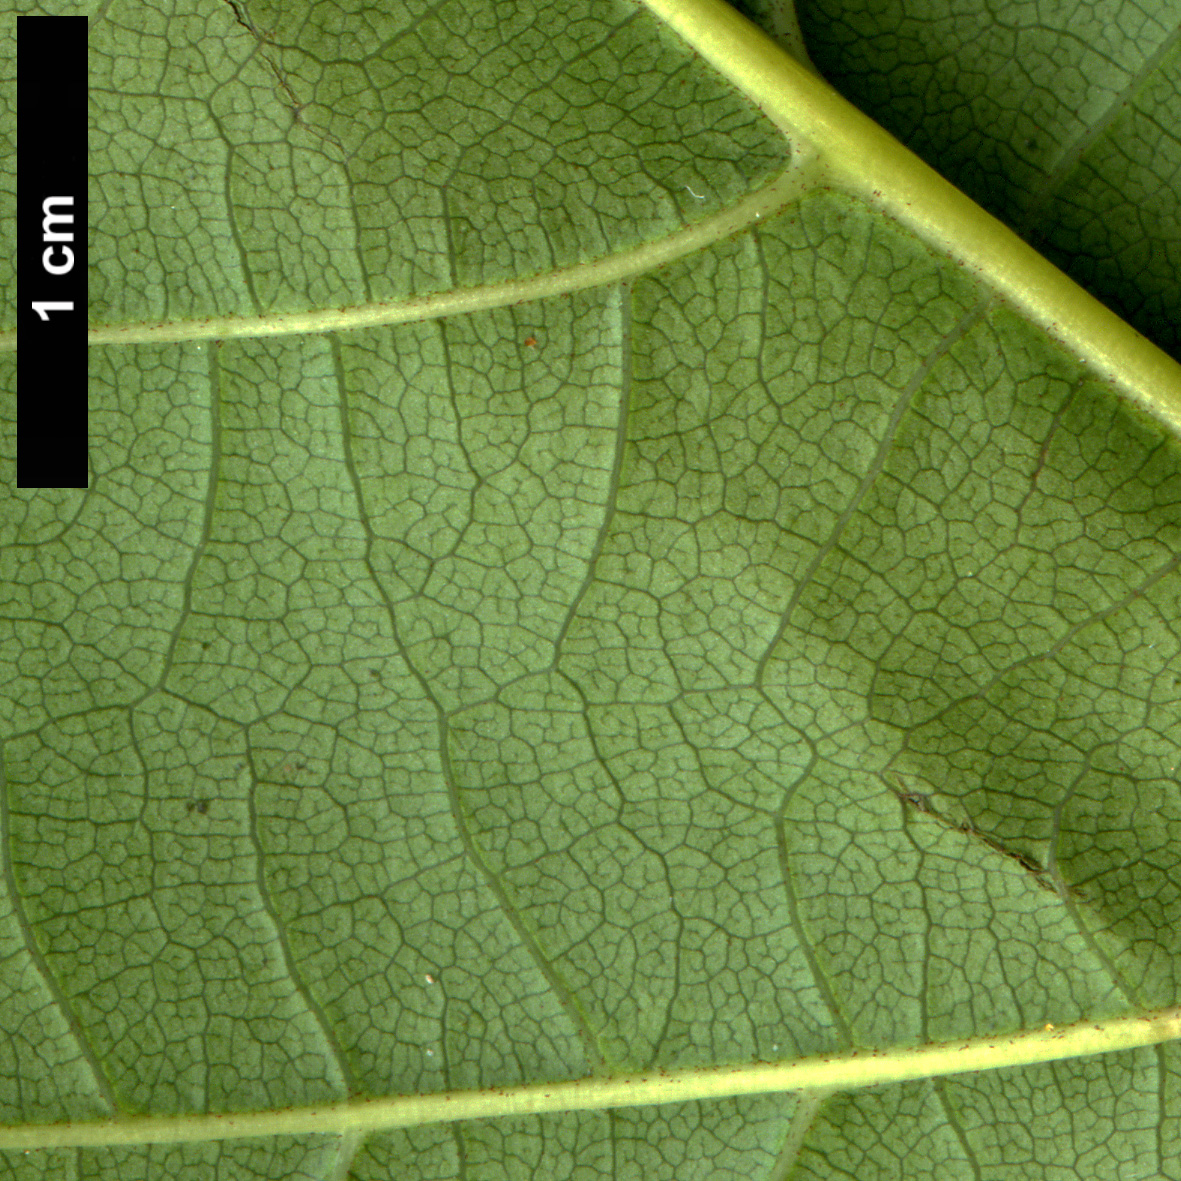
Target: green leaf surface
{"points": [[1063, 119], [597, 564]]}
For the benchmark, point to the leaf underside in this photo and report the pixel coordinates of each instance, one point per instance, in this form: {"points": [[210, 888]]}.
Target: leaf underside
{"points": [[767, 654]]}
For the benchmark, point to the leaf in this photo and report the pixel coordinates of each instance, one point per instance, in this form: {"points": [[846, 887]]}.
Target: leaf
{"points": [[597, 563], [1061, 122]]}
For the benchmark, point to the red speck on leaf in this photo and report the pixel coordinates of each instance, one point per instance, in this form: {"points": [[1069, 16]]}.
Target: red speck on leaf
{"points": [[530, 342]]}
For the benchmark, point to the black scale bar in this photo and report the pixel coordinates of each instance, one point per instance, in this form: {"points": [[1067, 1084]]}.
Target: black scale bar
{"points": [[51, 122]]}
